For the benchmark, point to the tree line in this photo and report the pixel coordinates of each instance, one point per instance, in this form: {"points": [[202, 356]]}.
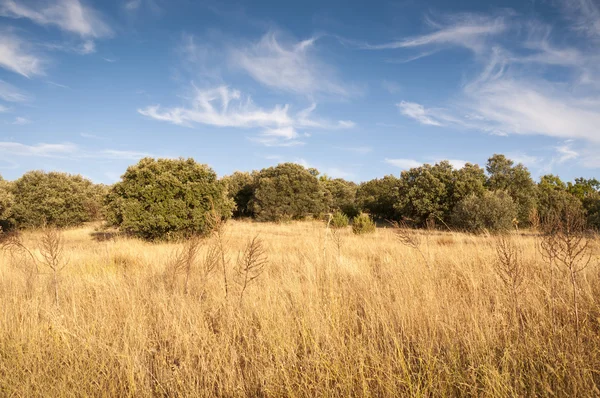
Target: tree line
{"points": [[170, 198]]}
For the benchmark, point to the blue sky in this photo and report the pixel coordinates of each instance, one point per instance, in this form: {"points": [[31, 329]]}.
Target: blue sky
{"points": [[356, 89]]}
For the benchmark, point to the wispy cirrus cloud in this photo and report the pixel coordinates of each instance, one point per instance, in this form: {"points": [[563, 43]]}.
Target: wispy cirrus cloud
{"points": [[403, 163], [292, 66], [464, 30], [68, 15], [226, 107], [17, 55], [419, 113], [10, 93], [21, 121], [510, 94], [67, 150], [585, 15], [42, 149]]}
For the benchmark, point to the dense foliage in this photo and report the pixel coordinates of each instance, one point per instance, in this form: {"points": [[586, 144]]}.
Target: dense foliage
{"points": [[54, 199], [6, 203], [339, 220], [340, 195], [240, 189], [163, 198], [285, 192], [516, 180], [167, 198], [492, 211], [379, 196], [362, 224]]}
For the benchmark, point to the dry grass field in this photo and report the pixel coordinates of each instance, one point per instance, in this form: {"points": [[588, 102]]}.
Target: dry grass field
{"points": [[330, 315]]}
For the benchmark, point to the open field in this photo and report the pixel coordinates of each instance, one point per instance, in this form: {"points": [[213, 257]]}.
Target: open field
{"points": [[367, 317]]}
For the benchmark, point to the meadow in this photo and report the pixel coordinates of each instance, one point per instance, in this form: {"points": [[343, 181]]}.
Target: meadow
{"points": [[328, 313]]}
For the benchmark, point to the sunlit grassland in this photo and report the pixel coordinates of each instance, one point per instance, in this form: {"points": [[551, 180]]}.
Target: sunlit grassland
{"points": [[354, 316]]}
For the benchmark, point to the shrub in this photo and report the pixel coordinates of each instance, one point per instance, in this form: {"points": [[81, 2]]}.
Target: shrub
{"points": [[362, 224], [6, 203], [54, 199], [379, 196], [494, 211], [339, 195], [339, 220], [166, 199], [240, 189], [287, 191]]}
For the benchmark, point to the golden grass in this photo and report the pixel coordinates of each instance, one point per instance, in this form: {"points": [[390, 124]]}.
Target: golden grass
{"points": [[371, 319]]}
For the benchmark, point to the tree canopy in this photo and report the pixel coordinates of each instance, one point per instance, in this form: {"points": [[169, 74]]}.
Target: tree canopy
{"points": [[167, 198], [287, 191], [56, 199]]}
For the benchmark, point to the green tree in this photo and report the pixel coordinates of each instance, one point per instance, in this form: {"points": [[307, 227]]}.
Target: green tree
{"points": [[378, 197], [340, 195], [54, 199], [588, 192], [492, 211], [6, 203], [515, 180], [552, 196], [287, 191], [426, 192], [167, 198], [240, 189], [469, 180], [583, 187]]}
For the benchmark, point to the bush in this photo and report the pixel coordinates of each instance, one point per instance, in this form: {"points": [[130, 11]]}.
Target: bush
{"points": [[166, 199], [362, 224], [493, 211], [240, 189], [54, 199], [339, 220], [287, 191], [6, 203], [339, 195], [379, 196]]}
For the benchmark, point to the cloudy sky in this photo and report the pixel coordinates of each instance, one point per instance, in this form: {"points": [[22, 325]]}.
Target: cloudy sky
{"points": [[357, 89]]}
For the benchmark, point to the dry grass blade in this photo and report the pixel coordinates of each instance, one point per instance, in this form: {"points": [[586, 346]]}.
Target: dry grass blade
{"points": [[250, 264], [408, 237], [182, 262]]}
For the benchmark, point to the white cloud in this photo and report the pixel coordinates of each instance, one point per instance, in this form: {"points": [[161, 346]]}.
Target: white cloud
{"points": [[225, 107], [510, 95], [68, 15], [457, 163], [88, 47], [43, 150], [524, 159], [16, 55], [403, 163], [585, 15], [464, 30], [118, 154], [67, 150], [10, 93], [418, 112], [292, 67], [3, 109], [132, 5], [20, 121], [566, 153]]}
